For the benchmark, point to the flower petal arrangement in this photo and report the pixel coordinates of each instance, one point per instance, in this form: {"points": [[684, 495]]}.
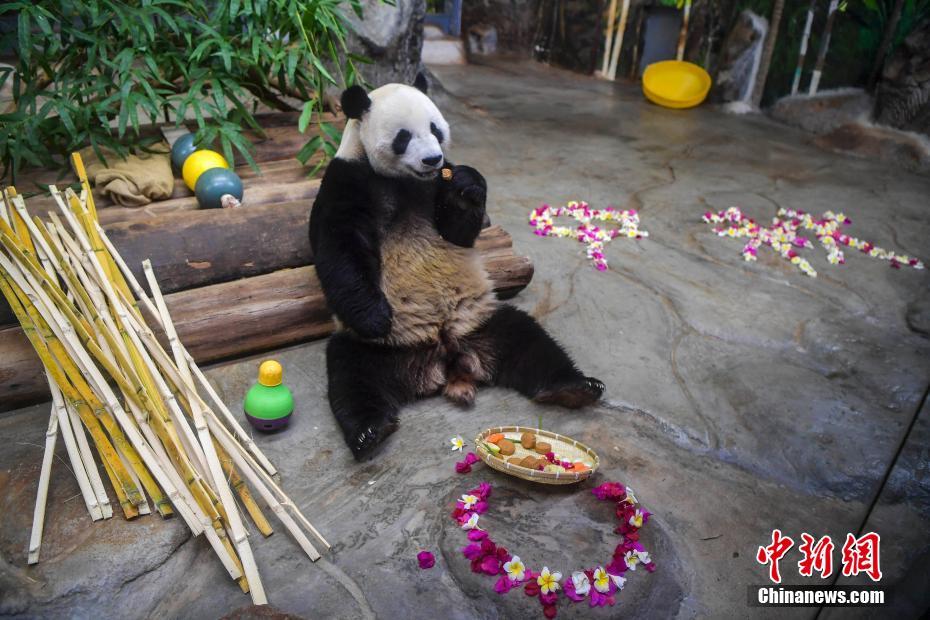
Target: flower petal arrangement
{"points": [[598, 585], [782, 236], [542, 218]]}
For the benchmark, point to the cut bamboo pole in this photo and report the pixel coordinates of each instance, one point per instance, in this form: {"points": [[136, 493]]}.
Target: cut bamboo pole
{"points": [[45, 474], [683, 33], [72, 295], [163, 426], [245, 496], [66, 430], [87, 458], [608, 38], [802, 52], [240, 538], [824, 47], [201, 378], [9, 287], [618, 44]]}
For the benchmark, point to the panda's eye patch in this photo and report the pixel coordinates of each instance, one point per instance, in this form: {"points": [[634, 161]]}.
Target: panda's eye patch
{"points": [[436, 132], [401, 140]]}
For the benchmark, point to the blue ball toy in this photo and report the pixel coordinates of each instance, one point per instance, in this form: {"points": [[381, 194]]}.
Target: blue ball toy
{"points": [[181, 149], [216, 183]]}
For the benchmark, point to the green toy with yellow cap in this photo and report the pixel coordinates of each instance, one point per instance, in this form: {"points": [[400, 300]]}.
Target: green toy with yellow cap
{"points": [[269, 403]]}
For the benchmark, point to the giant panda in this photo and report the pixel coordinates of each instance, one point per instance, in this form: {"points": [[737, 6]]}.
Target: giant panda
{"points": [[393, 245]]}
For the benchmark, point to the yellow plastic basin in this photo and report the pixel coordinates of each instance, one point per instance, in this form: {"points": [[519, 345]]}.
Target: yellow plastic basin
{"points": [[675, 84]]}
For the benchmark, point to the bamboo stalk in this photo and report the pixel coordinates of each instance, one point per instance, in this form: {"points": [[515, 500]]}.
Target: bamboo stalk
{"points": [[52, 258], [87, 458], [195, 369], [802, 52], [45, 473], [683, 33], [65, 429], [824, 47], [119, 478], [68, 418], [608, 38], [73, 296], [238, 531], [213, 530], [618, 44], [245, 496], [162, 424]]}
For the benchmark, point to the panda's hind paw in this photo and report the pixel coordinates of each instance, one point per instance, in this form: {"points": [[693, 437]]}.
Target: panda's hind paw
{"points": [[461, 392], [573, 395]]}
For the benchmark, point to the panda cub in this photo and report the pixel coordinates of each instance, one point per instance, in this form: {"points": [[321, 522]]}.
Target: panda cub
{"points": [[393, 245]]}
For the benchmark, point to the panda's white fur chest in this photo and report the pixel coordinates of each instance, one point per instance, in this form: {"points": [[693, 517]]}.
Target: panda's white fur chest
{"points": [[438, 291]]}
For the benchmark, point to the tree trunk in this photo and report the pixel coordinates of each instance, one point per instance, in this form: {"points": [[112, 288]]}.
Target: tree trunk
{"points": [[803, 52], [885, 46], [824, 46]]}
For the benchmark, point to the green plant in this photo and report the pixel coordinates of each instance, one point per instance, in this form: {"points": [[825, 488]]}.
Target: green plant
{"points": [[875, 17], [95, 71]]}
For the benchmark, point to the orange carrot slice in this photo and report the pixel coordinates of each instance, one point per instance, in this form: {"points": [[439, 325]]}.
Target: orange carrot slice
{"points": [[495, 437]]}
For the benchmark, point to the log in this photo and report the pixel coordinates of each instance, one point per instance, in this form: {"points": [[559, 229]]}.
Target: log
{"points": [[191, 249], [262, 193], [247, 316]]}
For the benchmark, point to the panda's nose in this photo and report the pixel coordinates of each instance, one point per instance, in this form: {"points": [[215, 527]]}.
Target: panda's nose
{"points": [[434, 161]]}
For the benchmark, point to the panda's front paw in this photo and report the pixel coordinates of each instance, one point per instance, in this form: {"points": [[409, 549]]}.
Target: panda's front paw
{"points": [[469, 187], [369, 436]]}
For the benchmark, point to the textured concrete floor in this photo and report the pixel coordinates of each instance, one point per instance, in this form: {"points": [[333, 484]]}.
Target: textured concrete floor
{"points": [[740, 397]]}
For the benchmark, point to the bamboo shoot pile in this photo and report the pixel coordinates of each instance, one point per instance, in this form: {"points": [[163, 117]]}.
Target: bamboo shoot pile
{"points": [[164, 438]]}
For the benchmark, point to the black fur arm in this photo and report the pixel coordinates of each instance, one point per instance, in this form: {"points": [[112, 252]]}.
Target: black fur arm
{"points": [[460, 207], [347, 260]]}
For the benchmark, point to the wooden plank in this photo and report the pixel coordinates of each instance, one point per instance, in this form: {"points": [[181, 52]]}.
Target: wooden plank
{"points": [[243, 317]]}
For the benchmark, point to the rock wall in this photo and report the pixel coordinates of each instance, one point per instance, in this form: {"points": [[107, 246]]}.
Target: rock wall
{"points": [[392, 37], [904, 93], [739, 58], [514, 20]]}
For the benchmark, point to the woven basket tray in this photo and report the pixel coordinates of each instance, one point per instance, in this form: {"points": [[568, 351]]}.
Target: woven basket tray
{"points": [[565, 447]]}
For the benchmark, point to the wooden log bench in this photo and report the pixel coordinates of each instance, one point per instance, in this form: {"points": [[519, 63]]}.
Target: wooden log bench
{"points": [[239, 317]]}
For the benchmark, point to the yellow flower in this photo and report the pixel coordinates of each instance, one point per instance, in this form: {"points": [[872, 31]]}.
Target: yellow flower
{"points": [[548, 582], [457, 443], [515, 568], [601, 580]]}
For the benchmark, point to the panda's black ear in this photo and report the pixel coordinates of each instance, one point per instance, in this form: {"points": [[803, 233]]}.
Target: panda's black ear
{"points": [[355, 101], [421, 84]]}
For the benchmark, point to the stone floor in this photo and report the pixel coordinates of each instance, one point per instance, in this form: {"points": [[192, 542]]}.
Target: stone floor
{"points": [[740, 397]]}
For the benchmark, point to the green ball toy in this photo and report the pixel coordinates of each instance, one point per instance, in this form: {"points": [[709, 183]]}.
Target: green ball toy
{"points": [[216, 183], [269, 403], [181, 149]]}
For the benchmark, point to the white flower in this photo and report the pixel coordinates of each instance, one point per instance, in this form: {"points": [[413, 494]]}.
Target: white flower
{"points": [[636, 520], [469, 501], [548, 582], [643, 557], [631, 559], [618, 581], [457, 443], [515, 568], [581, 583], [472, 523], [601, 580]]}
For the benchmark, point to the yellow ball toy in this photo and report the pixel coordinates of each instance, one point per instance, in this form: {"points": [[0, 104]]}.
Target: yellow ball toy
{"points": [[199, 162]]}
